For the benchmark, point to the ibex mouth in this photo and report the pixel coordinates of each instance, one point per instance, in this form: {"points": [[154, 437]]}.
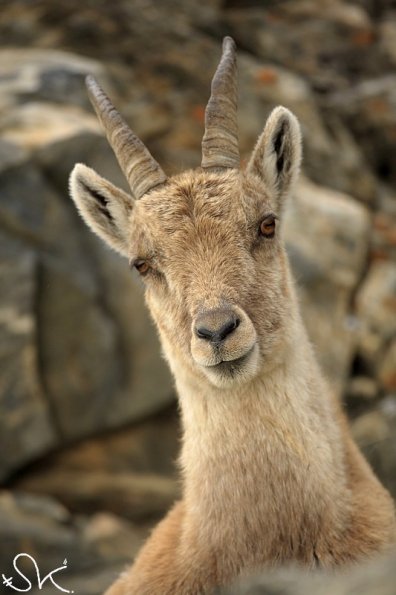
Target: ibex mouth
{"points": [[227, 373], [234, 364]]}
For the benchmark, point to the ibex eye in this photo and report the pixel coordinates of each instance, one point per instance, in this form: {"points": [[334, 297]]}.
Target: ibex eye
{"points": [[142, 266], [267, 226]]}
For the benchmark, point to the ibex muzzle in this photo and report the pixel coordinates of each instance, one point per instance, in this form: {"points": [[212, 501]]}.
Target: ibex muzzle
{"points": [[216, 325], [224, 343]]}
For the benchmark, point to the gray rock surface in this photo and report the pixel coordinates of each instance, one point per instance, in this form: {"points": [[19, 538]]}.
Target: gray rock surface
{"points": [[31, 75], [136, 496], [376, 308], [79, 337], [377, 577], [78, 323], [42, 528], [26, 428], [327, 240]]}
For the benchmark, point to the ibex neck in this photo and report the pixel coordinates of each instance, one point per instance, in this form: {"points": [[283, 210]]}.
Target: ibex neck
{"points": [[289, 384], [263, 453]]}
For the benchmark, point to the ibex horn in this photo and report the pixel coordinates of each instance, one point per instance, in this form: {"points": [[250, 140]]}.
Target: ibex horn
{"points": [[140, 169], [220, 141]]}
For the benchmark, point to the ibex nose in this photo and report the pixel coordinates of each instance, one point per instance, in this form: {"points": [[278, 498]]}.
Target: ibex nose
{"points": [[214, 326]]}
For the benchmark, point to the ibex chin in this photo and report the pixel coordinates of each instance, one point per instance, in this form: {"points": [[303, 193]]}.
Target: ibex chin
{"points": [[270, 472]]}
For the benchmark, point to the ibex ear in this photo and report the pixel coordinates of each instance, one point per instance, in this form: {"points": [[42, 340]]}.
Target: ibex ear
{"points": [[277, 155], [104, 207]]}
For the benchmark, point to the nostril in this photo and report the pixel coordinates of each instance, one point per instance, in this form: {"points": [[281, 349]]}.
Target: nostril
{"points": [[204, 333], [215, 326], [227, 329]]}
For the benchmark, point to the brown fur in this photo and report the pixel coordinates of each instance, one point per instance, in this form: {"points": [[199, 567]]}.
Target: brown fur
{"points": [[270, 471]]}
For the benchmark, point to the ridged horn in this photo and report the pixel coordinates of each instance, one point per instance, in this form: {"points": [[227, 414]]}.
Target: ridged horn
{"points": [[139, 167], [220, 141]]}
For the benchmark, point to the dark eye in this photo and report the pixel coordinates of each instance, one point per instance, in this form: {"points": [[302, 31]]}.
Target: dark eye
{"points": [[267, 226], [142, 266]]}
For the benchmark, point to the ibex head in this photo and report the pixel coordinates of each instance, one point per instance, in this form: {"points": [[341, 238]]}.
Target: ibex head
{"points": [[207, 242]]}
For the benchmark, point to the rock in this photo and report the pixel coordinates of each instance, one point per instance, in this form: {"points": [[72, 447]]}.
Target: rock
{"points": [[331, 156], [79, 353], [387, 35], [149, 446], [41, 527], [95, 327], [360, 393], [20, 178], [383, 245], [40, 216], [376, 577], [370, 428], [369, 110], [10, 155], [36, 125], [330, 44], [55, 136], [74, 273], [387, 368], [375, 432], [363, 388], [147, 116], [137, 497], [327, 240], [30, 75], [55, 122], [148, 385], [376, 308], [89, 582], [321, 41], [128, 472], [26, 425], [112, 537]]}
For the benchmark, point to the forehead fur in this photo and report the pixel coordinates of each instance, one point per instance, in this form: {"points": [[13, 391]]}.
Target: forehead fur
{"points": [[194, 199]]}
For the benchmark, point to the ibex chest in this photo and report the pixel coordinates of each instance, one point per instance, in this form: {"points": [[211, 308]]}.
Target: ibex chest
{"points": [[267, 494]]}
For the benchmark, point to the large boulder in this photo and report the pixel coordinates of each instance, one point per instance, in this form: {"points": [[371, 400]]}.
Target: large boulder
{"points": [[31, 75], [40, 527], [24, 194], [376, 308], [369, 110], [320, 40], [375, 432], [327, 240], [100, 355], [371, 578], [77, 363], [26, 424], [129, 471], [80, 359], [140, 497]]}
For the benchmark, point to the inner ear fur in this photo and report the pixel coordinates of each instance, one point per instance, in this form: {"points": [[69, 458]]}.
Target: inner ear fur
{"points": [[104, 207], [276, 157]]}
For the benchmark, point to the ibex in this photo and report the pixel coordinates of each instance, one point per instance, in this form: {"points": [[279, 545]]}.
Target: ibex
{"points": [[270, 472]]}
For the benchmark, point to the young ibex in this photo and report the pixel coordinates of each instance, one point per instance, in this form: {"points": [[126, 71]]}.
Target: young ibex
{"points": [[270, 471]]}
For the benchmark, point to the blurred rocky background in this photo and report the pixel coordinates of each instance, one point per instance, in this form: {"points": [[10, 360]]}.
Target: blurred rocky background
{"points": [[89, 430]]}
